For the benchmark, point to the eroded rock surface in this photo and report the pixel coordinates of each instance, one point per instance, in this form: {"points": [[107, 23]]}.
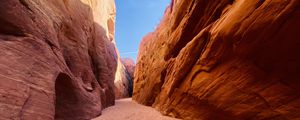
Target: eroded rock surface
{"points": [[223, 60], [58, 58]]}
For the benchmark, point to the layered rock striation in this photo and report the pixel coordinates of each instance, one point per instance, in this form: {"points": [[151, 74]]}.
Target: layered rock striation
{"points": [[58, 58], [223, 60]]}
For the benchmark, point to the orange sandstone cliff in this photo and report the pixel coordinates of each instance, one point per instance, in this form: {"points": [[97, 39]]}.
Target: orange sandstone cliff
{"points": [[57, 58], [223, 60]]}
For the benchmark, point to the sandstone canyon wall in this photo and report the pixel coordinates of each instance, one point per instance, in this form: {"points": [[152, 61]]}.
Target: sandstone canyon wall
{"points": [[223, 60], [58, 58]]}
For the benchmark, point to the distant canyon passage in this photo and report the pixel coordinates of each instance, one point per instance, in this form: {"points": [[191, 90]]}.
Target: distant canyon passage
{"points": [[223, 60]]}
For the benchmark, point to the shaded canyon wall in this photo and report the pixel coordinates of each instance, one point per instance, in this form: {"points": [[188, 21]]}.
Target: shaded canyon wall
{"points": [[58, 58], [223, 60]]}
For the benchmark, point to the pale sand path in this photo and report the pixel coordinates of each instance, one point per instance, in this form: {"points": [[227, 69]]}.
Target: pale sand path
{"points": [[126, 109]]}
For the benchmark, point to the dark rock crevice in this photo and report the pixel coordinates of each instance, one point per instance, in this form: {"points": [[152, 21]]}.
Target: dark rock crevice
{"points": [[65, 96]]}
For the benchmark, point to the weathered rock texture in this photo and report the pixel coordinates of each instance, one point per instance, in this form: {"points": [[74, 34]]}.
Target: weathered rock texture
{"points": [[58, 58], [223, 60], [124, 78]]}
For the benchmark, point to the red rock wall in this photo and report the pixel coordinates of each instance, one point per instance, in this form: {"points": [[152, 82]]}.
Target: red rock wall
{"points": [[223, 60], [58, 58]]}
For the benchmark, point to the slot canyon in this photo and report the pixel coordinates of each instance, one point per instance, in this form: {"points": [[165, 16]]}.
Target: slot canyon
{"points": [[205, 60]]}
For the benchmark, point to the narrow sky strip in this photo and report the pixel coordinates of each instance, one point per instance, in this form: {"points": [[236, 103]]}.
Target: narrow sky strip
{"points": [[123, 53], [136, 18]]}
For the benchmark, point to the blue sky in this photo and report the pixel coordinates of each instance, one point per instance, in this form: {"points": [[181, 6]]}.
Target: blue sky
{"points": [[136, 18]]}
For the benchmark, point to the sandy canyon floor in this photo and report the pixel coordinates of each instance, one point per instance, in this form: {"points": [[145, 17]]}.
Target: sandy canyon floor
{"points": [[126, 109]]}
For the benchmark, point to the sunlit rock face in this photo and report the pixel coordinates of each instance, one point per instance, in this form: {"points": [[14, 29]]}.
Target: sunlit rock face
{"points": [[58, 58], [223, 60]]}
